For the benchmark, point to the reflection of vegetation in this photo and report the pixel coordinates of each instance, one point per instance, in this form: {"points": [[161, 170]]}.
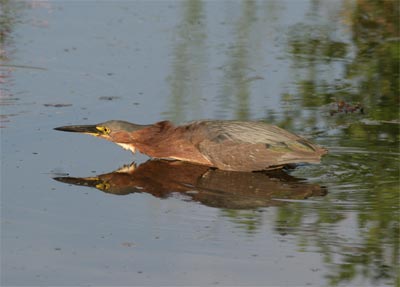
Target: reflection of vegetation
{"points": [[360, 64], [370, 166], [8, 10], [188, 58], [242, 60], [363, 172], [374, 251], [236, 82], [248, 221], [376, 32], [371, 76]]}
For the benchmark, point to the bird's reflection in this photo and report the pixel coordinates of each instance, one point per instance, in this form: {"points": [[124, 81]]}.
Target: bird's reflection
{"points": [[211, 187]]}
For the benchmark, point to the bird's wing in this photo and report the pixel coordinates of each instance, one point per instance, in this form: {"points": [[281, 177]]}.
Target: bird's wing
{"points": [[251, 133], [250, 145]]}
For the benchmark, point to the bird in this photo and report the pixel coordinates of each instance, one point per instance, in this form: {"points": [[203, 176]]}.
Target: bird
{"points": [[223, 144]]}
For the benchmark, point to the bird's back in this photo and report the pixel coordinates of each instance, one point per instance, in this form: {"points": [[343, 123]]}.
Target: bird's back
{"points": [[249, 146]]}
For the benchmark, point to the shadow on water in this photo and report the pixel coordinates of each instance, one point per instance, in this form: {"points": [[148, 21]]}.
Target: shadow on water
{"points": [[211, 187]]}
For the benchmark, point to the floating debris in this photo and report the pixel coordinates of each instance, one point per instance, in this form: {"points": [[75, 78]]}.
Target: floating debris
{"points": [[109, 98], [251, 79], [57, 105], [344, 107], [128, 244], [23, 67]]}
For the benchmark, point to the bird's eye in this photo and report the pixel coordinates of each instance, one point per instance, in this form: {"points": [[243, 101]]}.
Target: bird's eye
{"points": [[104, 130], [104, 186]]}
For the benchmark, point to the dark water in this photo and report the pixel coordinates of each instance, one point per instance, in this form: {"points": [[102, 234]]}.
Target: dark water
{"points": [[328, 70]]}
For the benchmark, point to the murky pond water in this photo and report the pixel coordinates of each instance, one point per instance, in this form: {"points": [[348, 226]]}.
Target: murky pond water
{"points": [[328, 70]]}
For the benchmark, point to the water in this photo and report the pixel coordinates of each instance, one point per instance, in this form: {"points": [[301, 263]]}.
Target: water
{"points": [[290, 63]]}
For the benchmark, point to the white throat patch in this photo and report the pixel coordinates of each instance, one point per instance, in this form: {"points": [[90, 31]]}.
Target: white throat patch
{"points": [[127, 147]]}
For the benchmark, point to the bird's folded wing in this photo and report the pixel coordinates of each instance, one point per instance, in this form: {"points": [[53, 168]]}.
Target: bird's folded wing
{"points": [[250, 146]]}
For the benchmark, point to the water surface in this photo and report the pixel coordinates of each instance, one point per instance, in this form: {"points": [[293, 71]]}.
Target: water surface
{"points": [[327, 70]]}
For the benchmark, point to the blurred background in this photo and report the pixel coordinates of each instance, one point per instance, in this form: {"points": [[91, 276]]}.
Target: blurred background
{"points": [[327, 70]]}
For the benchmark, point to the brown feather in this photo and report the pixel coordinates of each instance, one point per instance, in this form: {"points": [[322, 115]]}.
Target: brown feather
{"points": [[164, 140], [250, 146], [227, 145]]}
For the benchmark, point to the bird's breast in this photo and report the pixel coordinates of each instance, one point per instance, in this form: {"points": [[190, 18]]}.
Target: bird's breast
{"points": [[175, 148], [127, 147]]}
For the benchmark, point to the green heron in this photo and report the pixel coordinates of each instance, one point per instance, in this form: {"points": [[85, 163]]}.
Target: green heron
{"points": [[226, 145]]}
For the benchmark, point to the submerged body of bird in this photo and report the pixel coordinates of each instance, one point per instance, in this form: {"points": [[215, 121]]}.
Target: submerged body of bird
{"points": [[227, 145]]}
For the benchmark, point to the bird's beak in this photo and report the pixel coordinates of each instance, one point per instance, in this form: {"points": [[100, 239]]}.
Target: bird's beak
{"points": [[85, 181], [85, 129]]}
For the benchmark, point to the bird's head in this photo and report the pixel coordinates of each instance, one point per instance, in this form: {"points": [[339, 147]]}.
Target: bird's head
{"points": [[119, 132]]}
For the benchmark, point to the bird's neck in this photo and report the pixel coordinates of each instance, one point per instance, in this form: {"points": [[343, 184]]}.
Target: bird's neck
{"points": [[154, 140], [164, 140]]}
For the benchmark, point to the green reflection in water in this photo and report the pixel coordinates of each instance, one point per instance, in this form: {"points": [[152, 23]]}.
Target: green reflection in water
{"points": [[244, 60], [9, 16], [247, 221], [8, 19], [236, 80], [362, 170], [188, 63], [241, 68]]}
